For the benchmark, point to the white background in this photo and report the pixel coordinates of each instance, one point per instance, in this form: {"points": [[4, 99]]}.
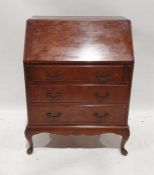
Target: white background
{"points": [[13, 160]]}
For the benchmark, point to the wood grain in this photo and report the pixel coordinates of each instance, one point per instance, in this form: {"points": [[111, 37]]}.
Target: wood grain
{"points": [[79, 93], [78, 114], [78, 40], [87, 73], [78, 76]]}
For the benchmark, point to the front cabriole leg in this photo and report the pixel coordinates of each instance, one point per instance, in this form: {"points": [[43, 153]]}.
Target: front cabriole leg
{"points": [[125, 135], [28, 135]]}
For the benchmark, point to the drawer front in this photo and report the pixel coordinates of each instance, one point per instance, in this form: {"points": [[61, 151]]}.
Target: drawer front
{"points": [[99, 74], [78, 93], [65, 114]]}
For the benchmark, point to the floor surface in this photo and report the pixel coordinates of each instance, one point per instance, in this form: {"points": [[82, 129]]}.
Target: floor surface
{"points": [[77, 155]]}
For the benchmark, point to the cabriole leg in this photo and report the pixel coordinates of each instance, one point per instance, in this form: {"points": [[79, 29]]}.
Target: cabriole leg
{"points": [[28, 135], [125, 135]]}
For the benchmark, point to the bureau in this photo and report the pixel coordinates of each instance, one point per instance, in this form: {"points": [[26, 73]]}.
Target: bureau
{"points": [[78, 74]]}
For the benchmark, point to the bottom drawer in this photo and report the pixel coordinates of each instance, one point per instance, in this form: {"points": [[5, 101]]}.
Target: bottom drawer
{"points": [[77, 114]]}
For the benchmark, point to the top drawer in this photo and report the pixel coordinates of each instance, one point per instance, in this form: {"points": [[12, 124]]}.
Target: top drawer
{"points": [[96, 74]]}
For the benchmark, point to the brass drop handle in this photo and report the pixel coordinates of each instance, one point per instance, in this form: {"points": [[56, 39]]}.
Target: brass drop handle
{"points": [[103, 77], [50, 115], [99, 97], [105, 115], [53, 77], [52, 97]]}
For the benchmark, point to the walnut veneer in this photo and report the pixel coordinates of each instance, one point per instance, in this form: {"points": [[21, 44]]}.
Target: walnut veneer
{"points": [[78, 74]]}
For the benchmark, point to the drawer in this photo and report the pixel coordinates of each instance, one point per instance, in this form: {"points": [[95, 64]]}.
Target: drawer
{"points": [[67, 114], [78, 93], [98, 74]]}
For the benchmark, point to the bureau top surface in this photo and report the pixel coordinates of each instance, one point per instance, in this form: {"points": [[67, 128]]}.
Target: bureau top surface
{"points": [[78, 39]]}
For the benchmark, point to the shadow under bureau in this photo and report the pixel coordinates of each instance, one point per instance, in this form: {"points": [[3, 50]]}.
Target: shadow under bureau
{"points": [[78, 74]]}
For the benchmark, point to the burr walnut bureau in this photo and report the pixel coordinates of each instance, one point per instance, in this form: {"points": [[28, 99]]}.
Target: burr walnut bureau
{"points": [[78, 74]]}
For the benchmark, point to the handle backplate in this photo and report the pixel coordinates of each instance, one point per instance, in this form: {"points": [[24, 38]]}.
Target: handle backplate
{"points": [[51, 115], [104, 115], [52, 97], [103, 77], [53, 77], [100, 97]]}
